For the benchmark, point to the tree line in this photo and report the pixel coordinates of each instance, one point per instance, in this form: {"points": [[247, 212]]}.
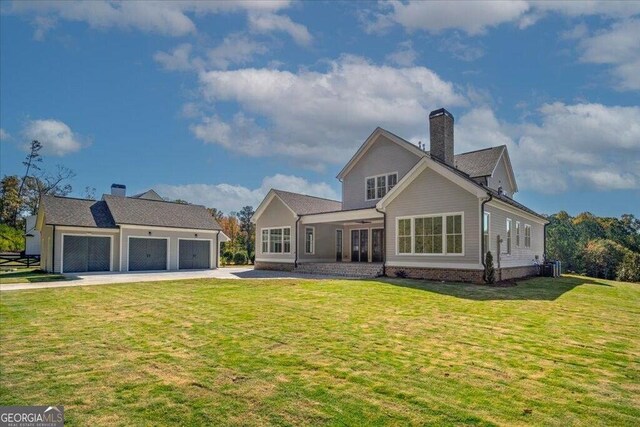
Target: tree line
{"points": [[604, 247]]}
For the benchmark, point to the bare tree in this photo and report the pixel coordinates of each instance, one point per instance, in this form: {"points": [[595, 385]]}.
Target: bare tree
{"points": [[47, 183]]}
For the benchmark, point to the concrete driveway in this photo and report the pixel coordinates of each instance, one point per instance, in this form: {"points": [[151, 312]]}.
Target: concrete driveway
{"points": [[90, 279]]}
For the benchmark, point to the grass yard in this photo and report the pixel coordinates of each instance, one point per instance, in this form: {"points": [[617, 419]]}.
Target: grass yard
{"points": [[30, 275], [333, 352]]}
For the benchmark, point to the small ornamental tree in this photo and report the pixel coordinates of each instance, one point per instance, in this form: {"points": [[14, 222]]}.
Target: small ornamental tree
{"points": [[489, 271], [240, 258]]}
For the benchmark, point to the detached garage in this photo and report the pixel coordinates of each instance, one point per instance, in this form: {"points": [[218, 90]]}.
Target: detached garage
{"points": [[119, 233]]}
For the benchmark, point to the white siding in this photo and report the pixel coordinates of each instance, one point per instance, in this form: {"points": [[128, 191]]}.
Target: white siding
{"points": [[501, 178], [384, 156], [520, 256], [431, 193]]}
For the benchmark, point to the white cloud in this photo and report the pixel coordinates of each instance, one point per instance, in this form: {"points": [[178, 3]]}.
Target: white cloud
{"points": [[405, 55], [56, 137], [571, 147], [234, 49], [475, 17], [321, 116], [617, 46], [179, 59], [4, 135], [269, 22], [170, 18], [229, 197]]}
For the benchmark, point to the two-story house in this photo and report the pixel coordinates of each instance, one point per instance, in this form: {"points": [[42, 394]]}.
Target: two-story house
{"points": [[432, 214]]}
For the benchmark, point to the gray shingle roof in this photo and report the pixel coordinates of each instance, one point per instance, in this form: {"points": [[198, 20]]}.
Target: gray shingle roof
{"points": [[302, 204], [479, 163], [137, 211], [76, 212]]}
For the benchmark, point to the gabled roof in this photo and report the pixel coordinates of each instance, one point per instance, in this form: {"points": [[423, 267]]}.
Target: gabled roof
{"points": [[475, 164], [76, 212], [302, 204], [138, 211], [479, 163], [149, 195]]}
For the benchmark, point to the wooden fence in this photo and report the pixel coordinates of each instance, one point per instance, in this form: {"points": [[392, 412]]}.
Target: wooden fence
{"points": [[19, 260]]}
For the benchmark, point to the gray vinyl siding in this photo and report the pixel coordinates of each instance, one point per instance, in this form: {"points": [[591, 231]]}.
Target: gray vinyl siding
{"points": [[384, 156], [520, 256], [501, 178], [276, 214], [325, 244], [173, 237], [431, 193]]}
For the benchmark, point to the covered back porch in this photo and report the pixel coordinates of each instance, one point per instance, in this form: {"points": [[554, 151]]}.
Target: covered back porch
{"points": [[342, 237]]}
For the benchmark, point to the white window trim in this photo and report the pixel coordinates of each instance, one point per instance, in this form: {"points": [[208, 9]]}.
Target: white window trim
{"points": [[375, 187], [444, 235], [488, 246], [148, 237], [313, 240], [83, 235], [508, 231], [211, 251], [527, 227], [517, 234], [269, 239]]}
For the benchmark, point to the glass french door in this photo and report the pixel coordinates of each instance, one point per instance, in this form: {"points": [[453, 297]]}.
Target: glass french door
{"points": [[377, 245], [360, 245], [338, 245]]}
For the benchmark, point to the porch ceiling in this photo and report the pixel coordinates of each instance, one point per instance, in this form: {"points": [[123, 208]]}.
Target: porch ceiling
{"points": [[356, 215]]}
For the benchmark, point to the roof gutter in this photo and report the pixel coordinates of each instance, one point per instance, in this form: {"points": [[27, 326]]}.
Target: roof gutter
{"points": [[482, 250], [384, 234]]}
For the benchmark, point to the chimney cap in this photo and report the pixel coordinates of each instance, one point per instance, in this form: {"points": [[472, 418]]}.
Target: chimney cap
{"points": [[440, 112], [118, 186]]}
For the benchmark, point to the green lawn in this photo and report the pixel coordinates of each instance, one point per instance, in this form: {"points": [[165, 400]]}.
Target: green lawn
{"points": [[333, 352], [31, 275]]}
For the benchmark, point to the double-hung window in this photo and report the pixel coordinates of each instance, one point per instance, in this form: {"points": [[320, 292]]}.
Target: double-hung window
{"points": [[276, 240], [508, 251], [378, 186], [404, 236], [517, 234], [309, 241], [485, 231], [527, 236], [431, 235]]}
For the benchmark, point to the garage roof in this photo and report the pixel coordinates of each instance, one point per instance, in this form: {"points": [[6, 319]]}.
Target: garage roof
{"points": [[115, 210]]}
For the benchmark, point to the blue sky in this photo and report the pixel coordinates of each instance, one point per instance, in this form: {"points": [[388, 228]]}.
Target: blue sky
{"points": [[216, 102]]}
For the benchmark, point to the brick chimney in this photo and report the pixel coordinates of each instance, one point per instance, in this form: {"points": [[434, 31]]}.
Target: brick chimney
{"points": [[441, 132], [118, 190]]}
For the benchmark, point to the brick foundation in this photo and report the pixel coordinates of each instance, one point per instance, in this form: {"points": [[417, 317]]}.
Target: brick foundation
{"points": [[278, 266], [462, 275]]}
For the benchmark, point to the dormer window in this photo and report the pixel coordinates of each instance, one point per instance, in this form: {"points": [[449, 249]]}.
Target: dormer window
{"points": [[378, 186]]}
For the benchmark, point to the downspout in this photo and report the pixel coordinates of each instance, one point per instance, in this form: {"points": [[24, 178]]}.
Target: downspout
{"points": [[482, 251], [384, 233], [295, 261], [544, 243]]}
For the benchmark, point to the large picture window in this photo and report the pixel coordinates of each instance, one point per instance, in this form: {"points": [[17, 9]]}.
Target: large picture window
{"points": [[431, 235], [378, 186], [276, 240]]}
